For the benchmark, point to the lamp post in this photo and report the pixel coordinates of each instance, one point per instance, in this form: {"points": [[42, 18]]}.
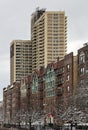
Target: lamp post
{"points": [[29, 123], [71, 125], [44, 113]]}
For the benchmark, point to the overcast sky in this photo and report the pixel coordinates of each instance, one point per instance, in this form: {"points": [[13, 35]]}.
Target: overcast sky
{"points": [[15, 16]]}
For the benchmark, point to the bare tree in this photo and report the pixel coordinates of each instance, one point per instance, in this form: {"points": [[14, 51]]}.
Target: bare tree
{"points": [[76, 109], [25, 118]]}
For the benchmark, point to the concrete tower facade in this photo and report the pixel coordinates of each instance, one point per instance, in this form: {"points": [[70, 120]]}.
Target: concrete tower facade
{"points": [[20, 59], [49, 37]]}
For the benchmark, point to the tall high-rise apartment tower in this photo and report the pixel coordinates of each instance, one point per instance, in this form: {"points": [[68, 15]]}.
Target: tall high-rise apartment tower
{"points": [[49, 37], [20, 59]]}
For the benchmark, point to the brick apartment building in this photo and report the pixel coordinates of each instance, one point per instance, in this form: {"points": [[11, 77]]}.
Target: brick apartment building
{"points": [[83, 65], [58, 86], [83, 78], [41, 91], [11, 102]]}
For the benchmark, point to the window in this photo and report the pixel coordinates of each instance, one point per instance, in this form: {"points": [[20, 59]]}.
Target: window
{"points": [[59, 91], [86, 55], [81, 82], [82, 58], [50, 93], [86, 68], [68, 67], [68, 77], [34, 84], [81, 70], [68, 89]]}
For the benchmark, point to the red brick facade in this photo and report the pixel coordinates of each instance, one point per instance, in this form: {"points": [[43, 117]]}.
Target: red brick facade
{"points": [[36, 92]]}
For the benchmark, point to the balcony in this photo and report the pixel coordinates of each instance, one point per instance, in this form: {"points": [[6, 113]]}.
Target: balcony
{"points": [[59, 91], [59, 82], [59, 72]]}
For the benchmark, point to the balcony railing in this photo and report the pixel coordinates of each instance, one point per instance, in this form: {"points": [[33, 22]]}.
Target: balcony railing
{"points": [[59, 83]]}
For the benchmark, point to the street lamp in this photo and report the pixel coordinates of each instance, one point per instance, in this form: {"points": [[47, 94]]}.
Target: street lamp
{"points": [[29, 123], [44, 110], [73, 125]]}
